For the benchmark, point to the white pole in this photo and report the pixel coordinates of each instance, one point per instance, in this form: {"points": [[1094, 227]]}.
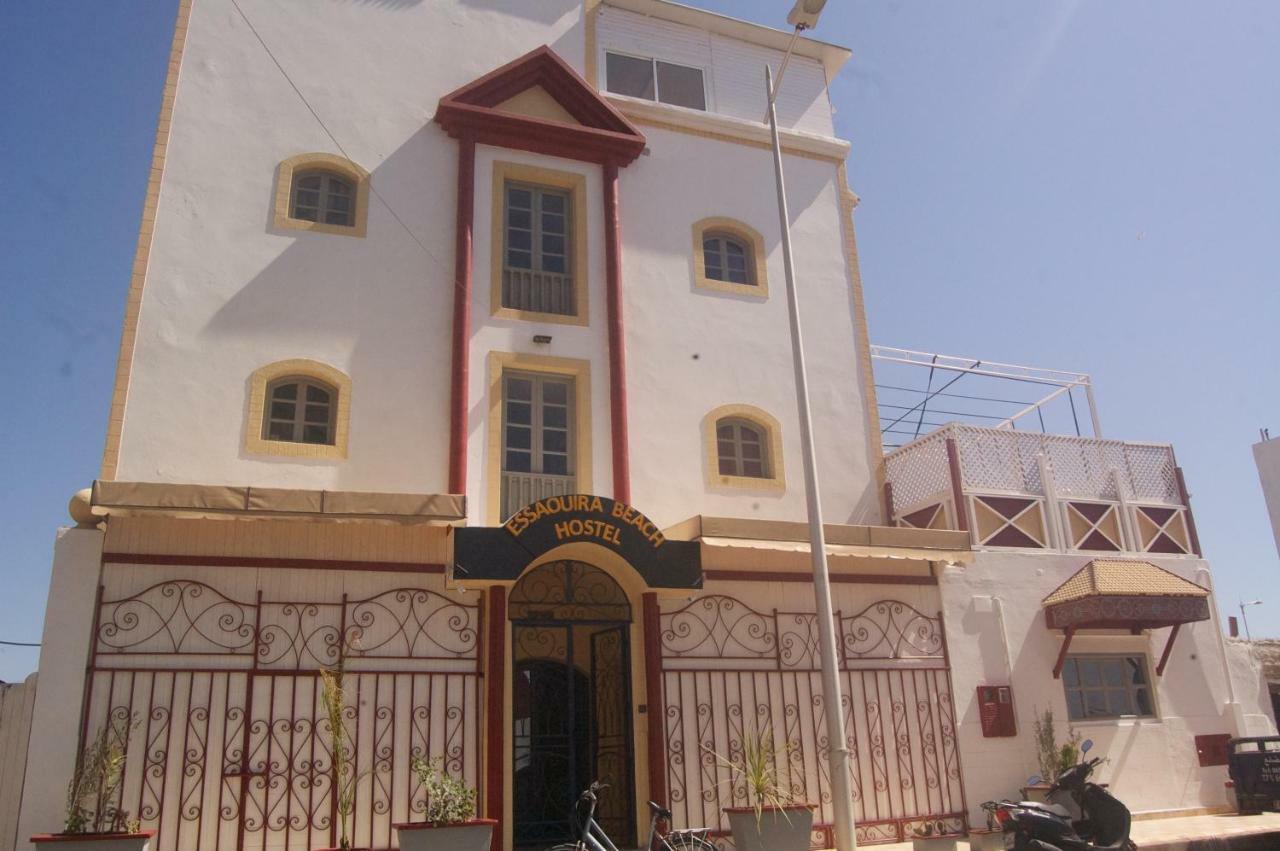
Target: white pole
{"points": [[833, 699]]}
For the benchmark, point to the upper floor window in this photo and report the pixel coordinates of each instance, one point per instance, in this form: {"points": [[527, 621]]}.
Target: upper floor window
{"points": [[1100, 687], [537, 438], [322, 196], [321, 192], [300, 410], [727, 258], [537, 273], [741, 449], [654, 79]]}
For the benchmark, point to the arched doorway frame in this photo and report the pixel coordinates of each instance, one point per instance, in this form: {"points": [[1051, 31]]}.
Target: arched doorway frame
{"points": [[639, 597]]}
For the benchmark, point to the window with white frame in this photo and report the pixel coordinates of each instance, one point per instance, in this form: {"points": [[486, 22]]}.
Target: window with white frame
{"points": [[655, 79], [537, 271], [324, 197], [537, 438], [300, 410], [742, 449], [728, 258], [1099, 687]]}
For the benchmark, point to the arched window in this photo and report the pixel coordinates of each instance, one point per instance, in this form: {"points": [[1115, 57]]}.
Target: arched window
{"points": [[323, 196], [741, 449], [323, 193], [300, 410], [727, 258]]}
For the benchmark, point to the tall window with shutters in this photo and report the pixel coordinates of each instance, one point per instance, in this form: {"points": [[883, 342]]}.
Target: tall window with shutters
{"points": [[538, 440], [537, 268]]}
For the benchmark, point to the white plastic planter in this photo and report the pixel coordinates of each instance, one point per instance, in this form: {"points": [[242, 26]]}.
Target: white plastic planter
{"points": [[778, 828], [474, 835], [94, 841]]}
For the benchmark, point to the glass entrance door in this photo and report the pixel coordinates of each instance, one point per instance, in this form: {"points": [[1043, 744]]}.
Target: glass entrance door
{"points": [[571, 718]]}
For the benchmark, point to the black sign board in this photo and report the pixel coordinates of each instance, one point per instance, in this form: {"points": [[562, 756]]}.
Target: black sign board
{"points": [[502, 553]]}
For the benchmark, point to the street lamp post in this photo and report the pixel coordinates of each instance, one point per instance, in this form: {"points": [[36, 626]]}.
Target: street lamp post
{"points": [[802, 17], [1247, 636]]}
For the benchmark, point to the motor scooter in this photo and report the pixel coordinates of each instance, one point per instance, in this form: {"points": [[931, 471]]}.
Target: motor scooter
{"points": [[1102, 822]]}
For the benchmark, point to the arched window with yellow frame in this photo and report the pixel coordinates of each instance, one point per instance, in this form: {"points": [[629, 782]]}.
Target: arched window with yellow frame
{"points": [[298, 408], [324, 193], [743, 449], [729, 256]]}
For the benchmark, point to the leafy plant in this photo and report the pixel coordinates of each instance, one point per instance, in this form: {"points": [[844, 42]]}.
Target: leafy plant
{"points": [[345, 778], [756, 769], [1055, 757], [95, 785], [449, 799]]}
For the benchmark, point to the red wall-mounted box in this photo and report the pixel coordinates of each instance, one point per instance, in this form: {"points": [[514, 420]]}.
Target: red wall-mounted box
{"points": [[995, 708]]}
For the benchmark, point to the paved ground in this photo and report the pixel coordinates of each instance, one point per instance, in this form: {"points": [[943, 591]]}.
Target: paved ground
{"points": [[1228, 832]]}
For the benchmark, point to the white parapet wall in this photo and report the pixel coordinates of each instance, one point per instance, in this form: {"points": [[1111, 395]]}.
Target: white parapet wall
{"points": [[64, 654], [17, 700], [1266, 454]]}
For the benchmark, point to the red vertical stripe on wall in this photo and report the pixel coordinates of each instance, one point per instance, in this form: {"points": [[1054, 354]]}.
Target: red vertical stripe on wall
{"points": [[617, 344], [461, 315], [495, 697], [653, 698]]}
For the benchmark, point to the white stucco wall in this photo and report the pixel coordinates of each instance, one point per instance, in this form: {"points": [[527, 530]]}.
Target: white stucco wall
{"points": [[227, 293], [1266, 454], [1152, 763], [64, 655], [1251, 689], [691, 350]]}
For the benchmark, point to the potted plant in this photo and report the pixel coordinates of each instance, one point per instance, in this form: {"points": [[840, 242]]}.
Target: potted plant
{"points": [[344, 779], [94, 818], [450, 823], [774, 821], [1054, 757]]}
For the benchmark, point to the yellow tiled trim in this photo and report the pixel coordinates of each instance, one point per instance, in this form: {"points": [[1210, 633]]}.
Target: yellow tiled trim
{"points": [[254, 441], [744, 232], [875, 446], [283, 220], [711, 453], [142, 253], [789, 150], [580, 371], [576, 184], [590, 14]]}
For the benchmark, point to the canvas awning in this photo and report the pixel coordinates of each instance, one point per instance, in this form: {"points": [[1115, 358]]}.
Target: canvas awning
{"points": [[1124, 594]]}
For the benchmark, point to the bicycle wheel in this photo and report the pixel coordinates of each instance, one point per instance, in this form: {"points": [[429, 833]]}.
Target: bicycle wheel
{"points": [[687, 840], [568, 846]]}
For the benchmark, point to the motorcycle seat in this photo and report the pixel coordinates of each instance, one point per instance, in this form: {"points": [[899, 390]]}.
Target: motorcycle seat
{"points": [[1044, 806]]}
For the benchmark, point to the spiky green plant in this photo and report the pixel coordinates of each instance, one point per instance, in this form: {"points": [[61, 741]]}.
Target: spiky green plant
{"points": [[95, 784], [756, 769]]}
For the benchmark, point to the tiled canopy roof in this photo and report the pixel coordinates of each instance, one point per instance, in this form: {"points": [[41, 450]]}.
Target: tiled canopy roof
{"points": [[1119, 578]]}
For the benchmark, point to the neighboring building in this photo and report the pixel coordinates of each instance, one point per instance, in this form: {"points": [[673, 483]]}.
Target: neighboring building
{"points": [[1266, 454], [408, 335]]}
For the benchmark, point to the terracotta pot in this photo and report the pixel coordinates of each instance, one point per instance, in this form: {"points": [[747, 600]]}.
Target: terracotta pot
{"points": [[778, 828], [95, 841], [1038, 792], [474, 835]]}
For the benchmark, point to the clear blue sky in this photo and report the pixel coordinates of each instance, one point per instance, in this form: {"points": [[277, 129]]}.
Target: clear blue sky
{"points": [[1089, 185]]}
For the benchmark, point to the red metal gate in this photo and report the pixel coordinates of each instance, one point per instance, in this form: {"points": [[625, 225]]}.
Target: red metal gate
{"points": [[729, 671], [218, 703]]}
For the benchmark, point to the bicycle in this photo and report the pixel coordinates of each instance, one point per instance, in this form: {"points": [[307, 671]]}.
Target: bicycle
{"points": [[593, 838]]}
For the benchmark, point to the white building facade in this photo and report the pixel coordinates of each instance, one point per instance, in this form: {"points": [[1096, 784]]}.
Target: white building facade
{"points": [[456, 353], [1266, 454]]}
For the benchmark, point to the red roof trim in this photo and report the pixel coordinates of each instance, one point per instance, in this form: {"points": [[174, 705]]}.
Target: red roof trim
{"points": [[604, 134]]}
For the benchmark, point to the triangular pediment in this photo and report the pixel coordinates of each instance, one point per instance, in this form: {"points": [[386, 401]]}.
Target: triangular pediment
{"points": [[539, 103]]}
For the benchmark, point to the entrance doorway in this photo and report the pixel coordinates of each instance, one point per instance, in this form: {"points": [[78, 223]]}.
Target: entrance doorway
{"points": [[571, 702]]}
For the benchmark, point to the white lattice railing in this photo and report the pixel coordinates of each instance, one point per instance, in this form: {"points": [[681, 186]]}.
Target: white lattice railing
{"points": [[1008, 462]]}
